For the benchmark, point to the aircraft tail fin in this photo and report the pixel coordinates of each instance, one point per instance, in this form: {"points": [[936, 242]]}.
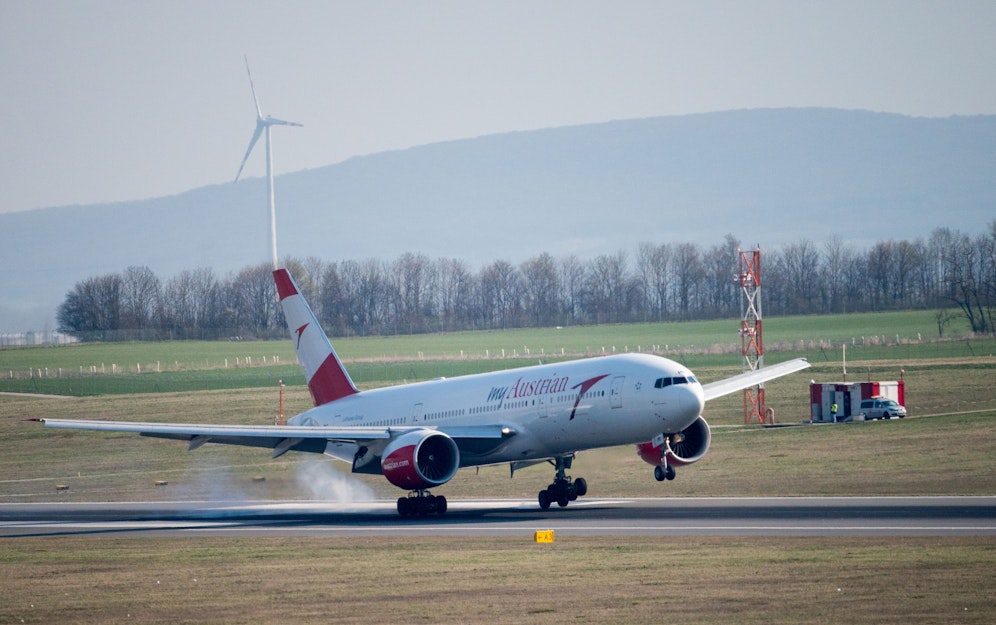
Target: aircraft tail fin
{"points": [[327, 378]]}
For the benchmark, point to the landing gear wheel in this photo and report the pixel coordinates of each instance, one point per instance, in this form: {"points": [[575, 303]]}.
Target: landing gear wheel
{"points": [[664, 473], [421, 503], [563, 490], [404, 506], [581, 487], [544, 500]]}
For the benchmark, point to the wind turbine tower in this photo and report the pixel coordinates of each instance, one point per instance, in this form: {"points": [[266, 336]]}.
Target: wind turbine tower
{"points": [[263, 124]]}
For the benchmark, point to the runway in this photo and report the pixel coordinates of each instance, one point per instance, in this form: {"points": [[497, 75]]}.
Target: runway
{"points": [[739, 516]]}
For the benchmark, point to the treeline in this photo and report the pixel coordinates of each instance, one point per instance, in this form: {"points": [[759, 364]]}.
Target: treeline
{"points": [[660, 282]]}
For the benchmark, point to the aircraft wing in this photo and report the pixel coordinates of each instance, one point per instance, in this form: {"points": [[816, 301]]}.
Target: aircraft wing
{"points": [[279, 438], [752, 378]]}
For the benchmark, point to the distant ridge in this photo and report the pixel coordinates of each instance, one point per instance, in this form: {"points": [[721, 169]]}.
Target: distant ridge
{"points": [[769, 176]]}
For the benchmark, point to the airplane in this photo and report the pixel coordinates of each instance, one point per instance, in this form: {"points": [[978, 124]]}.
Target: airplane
{"points": [[418, 435]]}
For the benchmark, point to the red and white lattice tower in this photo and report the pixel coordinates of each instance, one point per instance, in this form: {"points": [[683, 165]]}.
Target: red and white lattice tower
{"points": [[751, 337]]}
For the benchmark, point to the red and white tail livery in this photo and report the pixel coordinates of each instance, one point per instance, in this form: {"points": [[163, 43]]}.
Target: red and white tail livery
{"points": [[419, 435], [327, 378]]}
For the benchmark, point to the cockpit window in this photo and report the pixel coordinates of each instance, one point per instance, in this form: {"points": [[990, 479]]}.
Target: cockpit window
{"points": [[665, 382]]}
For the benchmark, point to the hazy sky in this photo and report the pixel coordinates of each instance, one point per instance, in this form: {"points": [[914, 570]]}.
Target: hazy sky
{"points": [[106, 100]]}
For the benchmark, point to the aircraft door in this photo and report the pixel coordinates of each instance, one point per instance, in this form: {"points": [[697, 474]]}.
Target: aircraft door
{"points": [[416, 413], [615, 392]]}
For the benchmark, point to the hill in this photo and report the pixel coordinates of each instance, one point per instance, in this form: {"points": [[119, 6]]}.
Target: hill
{"points": [[767, 176]]}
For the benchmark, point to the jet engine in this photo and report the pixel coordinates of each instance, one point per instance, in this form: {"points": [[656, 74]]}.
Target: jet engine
{"points": [[420, 459], [681, 448]]}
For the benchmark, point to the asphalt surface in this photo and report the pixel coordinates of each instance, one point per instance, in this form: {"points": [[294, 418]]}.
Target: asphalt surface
{"points": [[767, 516]]}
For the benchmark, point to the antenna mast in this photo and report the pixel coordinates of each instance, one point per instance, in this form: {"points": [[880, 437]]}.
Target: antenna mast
{"points": [[750, 333]]}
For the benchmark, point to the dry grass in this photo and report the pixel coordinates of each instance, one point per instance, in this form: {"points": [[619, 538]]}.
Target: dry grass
{"points": [[951, 454], [507, 580]]}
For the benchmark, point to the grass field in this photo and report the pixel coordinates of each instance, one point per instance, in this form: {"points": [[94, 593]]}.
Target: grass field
{"points": [[947, 446], [96, 369], [688, 580]]}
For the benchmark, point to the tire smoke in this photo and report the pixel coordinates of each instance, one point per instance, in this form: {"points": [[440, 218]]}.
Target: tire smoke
{"points": [[325, 483]]}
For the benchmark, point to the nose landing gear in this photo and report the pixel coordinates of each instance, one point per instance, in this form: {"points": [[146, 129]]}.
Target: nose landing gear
{"points": [[664, 472]]}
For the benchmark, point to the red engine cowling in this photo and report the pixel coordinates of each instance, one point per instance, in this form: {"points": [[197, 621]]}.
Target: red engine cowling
{"points": [[682, 448], [420, 459]]}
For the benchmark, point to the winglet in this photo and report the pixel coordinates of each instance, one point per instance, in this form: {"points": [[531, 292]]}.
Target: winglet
{"points": [[327, 378]]}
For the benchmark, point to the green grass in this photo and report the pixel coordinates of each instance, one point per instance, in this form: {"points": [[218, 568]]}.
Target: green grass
{"points": [[196, 365], [696, 336]]}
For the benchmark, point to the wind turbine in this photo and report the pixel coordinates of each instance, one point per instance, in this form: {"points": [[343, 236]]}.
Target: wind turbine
{"points": [[264, 124]]}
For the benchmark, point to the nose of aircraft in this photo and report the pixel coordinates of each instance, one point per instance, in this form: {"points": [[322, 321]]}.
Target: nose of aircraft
{"points": [[692, 401]]}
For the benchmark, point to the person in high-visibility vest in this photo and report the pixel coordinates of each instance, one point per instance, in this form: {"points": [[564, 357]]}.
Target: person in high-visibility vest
{"points": [[833, 411]]}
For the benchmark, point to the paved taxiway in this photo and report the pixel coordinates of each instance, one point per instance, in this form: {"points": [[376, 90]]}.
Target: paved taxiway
{"points": [[768, 516]]}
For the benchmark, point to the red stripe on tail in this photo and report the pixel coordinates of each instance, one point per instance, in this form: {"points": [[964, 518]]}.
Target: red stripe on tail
{"points": [[285, 286], [330, 382]]}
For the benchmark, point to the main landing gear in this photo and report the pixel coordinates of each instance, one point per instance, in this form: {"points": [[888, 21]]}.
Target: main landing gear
{"points": [[421, 503], [563, 490]]}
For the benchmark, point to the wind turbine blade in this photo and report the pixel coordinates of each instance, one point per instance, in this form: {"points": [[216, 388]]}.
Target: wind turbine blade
{"points": [[252, 142], [259, 112], [273, 121]]}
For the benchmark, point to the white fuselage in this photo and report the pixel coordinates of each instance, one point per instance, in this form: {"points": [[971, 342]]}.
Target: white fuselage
{"points": [[552, 409]]}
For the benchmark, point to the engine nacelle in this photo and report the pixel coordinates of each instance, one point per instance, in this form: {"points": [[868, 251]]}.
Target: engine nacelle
{"points": [[420, 459], [685, 447]]}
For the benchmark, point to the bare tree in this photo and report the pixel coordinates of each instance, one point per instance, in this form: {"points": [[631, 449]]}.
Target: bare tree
{"points": [[409, 281], [799, 272], [140, 297], [688, 272], [540, 285], [605, 299], [571, 275], [92, 309], [416, 294], [721, 286], [334, 306], [366, 288], [654, 264], [254, 295], [499, 290], [455, 293], [967, 270], [833, 275]]}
